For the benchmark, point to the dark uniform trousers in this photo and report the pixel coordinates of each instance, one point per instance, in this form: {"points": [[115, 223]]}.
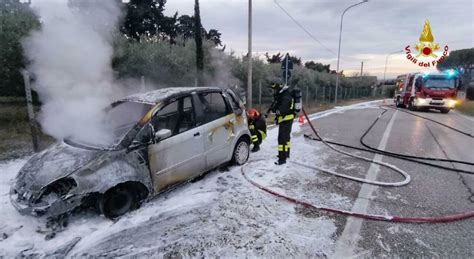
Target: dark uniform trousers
{"points": [[258, 130], [284, 109], [284, 135]]}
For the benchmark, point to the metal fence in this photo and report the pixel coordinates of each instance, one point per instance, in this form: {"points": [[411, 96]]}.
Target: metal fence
{"points": [[315, 95]]}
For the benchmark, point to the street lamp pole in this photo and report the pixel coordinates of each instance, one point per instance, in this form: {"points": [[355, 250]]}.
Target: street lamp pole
{"points": [[249, 55], [386, 62], [339, 48]]}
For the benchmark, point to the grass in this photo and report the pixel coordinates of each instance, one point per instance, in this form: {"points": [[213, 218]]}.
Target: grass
{"points": [[466, 107], [15, 130]]}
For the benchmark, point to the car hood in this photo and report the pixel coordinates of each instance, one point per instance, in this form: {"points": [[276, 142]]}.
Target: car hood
{"points": [[53, 163]]}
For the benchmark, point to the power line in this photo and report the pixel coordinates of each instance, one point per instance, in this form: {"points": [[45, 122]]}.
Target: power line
{"points": [[303, 28], [306, 31]]}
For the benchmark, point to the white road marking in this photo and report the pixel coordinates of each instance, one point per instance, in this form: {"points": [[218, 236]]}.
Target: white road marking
{"points": [[346, 244]]}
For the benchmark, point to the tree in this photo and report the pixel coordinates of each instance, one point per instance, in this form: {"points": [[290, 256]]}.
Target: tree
{"points": [[317, 66], [185, 26], [278, 58], [461, 60], [16, 21], [214, 36], [296, 60], [198, 40], [274, 58], [145, 18]]}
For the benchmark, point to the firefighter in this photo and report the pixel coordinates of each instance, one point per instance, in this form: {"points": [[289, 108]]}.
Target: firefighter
{"points": [[284, 107], [257, 127]]}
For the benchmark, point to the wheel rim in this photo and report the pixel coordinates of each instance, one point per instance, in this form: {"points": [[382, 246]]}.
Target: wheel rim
{"points": [[241, 153]]}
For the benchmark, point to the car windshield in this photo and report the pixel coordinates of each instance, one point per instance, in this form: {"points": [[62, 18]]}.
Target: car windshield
{"points": [[439, 82], [123, 116], [119, 119]]}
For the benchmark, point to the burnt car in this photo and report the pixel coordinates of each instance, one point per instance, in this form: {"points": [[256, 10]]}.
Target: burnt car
{"points": [[161, 138]]}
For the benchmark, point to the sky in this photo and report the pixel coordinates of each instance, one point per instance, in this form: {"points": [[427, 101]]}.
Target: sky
{"points": [[370, 31]]}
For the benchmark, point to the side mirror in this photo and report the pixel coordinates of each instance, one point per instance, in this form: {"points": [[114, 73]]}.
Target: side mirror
{"points": [[162, 134], [418, 83], [459, 84]]}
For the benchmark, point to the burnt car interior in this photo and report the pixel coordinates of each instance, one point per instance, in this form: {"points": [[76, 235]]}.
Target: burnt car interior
{"points": [[123, 116], [214, 106]]}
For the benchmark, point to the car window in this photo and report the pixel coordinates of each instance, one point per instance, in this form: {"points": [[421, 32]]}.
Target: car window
{"points": [[187, 118], [213, 106], [167, 118], [410, 82], [234, 102], [144, 135]]}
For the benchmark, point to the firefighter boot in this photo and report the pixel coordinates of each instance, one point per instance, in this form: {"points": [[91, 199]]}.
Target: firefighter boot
{"points": [[256, 147], [281, 158]]}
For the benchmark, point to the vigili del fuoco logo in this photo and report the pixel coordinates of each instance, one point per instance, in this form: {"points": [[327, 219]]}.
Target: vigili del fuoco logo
{"points": [[426, 48]]}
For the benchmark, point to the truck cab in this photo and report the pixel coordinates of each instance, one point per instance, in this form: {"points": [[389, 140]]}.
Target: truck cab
{"points": [[429, 90]]}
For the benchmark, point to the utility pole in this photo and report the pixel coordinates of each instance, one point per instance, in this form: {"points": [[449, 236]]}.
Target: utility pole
{"points": [[361, 69], [260, 95], [142, 83], [339, 48], [307, 95], [249, 55], [386, 62], [31, 111]]}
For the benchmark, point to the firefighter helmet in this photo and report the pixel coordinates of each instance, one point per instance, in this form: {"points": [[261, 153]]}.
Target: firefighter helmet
{"points": [[252, 113], [276, 84]]}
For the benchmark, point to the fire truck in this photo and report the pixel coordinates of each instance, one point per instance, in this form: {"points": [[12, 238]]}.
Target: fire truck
{"points": [[428, 90]]}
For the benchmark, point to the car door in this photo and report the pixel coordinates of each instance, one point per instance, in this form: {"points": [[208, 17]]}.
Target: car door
{"points": [[218, 128], [180, 156]]}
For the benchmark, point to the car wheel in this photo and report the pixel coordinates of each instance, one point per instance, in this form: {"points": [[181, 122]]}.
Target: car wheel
{"points": [[412, 106], [241, 152], [118, 201], [397, 103], [444, 110]]}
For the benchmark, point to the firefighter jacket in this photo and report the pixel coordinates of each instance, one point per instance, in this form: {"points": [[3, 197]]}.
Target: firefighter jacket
{"points": [[284, 106], [258, 125]]}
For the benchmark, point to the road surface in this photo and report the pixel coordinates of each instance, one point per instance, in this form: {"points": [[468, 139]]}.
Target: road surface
{"points": [[432, 191], [223, 215]]}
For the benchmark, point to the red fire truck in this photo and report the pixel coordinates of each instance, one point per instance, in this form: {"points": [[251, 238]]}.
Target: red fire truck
{"points": [[429, 90]]}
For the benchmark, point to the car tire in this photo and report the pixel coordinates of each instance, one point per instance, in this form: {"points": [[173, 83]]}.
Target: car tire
{"points": [[118, 201], [241, 152], [397, 103], [411, 105], [444, 110]]}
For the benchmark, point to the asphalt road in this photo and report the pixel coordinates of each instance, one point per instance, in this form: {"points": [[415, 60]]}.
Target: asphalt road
{"points": [[223, 215], [432, 191]]}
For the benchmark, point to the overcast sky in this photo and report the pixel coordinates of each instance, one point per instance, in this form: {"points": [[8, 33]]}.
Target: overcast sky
{"points": [[370, 31]]}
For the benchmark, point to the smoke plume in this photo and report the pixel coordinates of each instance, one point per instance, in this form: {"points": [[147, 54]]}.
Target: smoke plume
{"points": [[71, 60]]}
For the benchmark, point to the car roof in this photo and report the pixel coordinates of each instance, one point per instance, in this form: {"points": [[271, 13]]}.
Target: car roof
{"points": [[157, 96]]}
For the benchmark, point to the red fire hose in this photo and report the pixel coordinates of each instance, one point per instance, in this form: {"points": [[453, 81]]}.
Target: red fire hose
{"points": [[433, 219]]}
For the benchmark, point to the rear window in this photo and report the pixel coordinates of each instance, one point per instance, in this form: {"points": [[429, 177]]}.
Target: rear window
{"points": [[213, 106]]}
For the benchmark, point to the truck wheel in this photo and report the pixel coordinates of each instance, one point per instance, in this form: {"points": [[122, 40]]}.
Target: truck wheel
{"points": [[397, 103], [241, 152], [411, 105], [444, 110], [118, 201]]}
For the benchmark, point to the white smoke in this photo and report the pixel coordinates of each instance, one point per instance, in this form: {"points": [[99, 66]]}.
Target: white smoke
{"points": [[71, 59]]}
